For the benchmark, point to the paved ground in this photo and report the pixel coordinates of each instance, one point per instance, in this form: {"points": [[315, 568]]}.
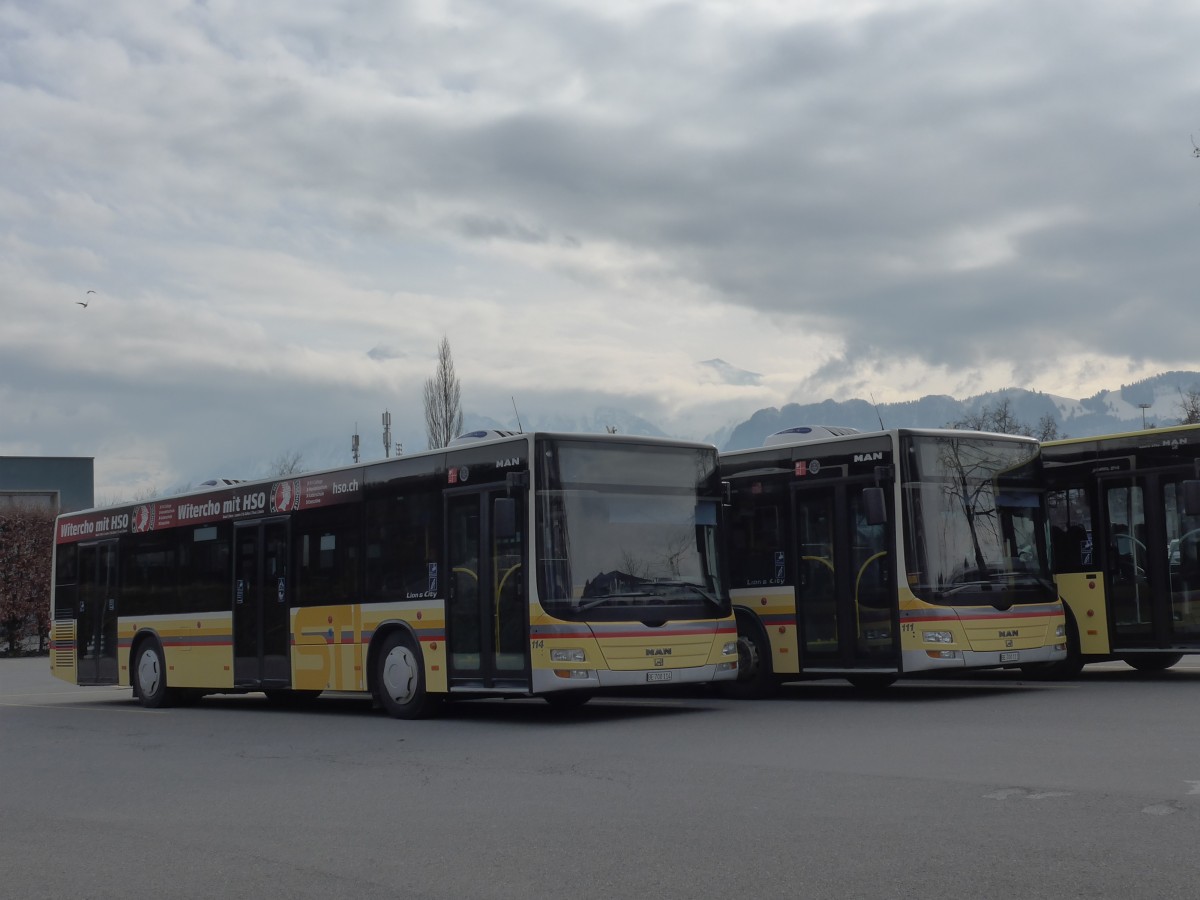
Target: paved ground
{"points": [[984, 788]]}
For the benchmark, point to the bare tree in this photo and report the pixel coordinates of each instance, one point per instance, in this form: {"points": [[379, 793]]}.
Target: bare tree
{"points": [[1001, 418], [998, 418], [443, 413], [1189, 406], [288, 463], [1047, 429]]}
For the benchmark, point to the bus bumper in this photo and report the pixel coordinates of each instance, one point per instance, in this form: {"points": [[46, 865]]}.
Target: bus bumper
{"points": [[922, 661], [546, 680]]}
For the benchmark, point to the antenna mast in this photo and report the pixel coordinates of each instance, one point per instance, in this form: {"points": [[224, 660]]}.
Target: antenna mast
{"points": [[877, 413], [520, 429]]}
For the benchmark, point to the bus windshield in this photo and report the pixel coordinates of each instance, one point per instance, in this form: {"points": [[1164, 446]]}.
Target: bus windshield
{"points": [[976, 532], [629, 531]]}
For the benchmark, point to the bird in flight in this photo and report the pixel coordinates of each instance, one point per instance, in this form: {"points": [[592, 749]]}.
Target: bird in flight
{"points": [[84, 303]]}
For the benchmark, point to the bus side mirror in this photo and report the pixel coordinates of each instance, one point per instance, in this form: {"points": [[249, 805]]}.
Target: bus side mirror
{"points": [[504, 518], [1191, 498], [874, 505]]}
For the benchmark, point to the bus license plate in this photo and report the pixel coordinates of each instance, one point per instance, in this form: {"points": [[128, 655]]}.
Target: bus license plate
{"points": [[1011, 656], [659, 676]]}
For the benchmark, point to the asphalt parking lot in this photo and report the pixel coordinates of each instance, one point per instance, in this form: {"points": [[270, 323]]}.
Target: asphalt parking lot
{"points": [[993, 786]]}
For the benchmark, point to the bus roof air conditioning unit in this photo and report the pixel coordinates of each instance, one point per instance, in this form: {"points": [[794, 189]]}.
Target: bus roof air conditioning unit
{"points": [[489, 434], [803, 433]]}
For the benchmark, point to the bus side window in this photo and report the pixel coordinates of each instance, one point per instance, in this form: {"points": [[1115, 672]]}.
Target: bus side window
{"points": [[327, 549], [1191, 497], [403, 545], [756, 532]]}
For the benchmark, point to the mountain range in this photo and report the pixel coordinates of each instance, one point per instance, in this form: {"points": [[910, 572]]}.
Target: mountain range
{"points": [[1154, 401], [1157, 399]]}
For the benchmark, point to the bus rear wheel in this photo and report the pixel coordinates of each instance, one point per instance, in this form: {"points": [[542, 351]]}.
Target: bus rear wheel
{"points": [[400, 679], [151, 673], [1152, 662]]}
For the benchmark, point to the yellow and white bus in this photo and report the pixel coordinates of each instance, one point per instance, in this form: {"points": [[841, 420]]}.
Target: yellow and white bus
{"points": [[505, 565], [1125, 523], [872, 556]]}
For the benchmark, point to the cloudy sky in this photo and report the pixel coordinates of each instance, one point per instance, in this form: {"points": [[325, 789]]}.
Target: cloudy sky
{"points": [[282, 207]]}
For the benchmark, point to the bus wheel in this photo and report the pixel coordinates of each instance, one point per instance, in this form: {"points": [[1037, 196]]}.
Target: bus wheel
{"points": [[755, 680], [151, 674], [400, 679], [872, 684], [565, 700], [1152, 662]]}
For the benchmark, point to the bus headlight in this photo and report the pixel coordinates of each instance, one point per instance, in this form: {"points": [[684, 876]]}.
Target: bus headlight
{"points": [[569, 655], [937, 637], [1060, 631], [730, 649]]}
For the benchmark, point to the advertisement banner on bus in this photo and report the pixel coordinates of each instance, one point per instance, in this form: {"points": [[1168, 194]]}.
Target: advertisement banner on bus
{"points": [[240, 502]]}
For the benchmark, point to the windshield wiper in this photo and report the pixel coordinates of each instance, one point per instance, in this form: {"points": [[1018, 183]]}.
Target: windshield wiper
{"points": [[699, 589], [652, 589], [600, 601]]}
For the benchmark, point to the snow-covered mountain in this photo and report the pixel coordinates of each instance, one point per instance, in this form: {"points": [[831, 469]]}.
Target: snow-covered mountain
{"points": [[1158, 398], [1155, 401]]}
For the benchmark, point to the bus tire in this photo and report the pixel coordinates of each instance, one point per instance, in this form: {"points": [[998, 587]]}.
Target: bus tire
{"points": [[400, 678], [150, 670], [1152, 662], [755, 679]]}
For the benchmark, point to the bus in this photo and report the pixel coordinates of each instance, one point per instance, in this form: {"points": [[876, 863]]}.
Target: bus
{"points": [[871, 556], [507, 564], [1125, 528]]}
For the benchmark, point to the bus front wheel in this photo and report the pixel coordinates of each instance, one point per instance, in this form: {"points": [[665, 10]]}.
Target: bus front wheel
{"points": [[400, 679], [151, 673]]}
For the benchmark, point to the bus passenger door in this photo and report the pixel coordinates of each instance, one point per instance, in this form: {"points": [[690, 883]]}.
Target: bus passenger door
{"points": [[817, 609], [487, 629], [1129, 564], [1152, 561], [1183, 561], [845, 594], [261, 615], [96, 614]]}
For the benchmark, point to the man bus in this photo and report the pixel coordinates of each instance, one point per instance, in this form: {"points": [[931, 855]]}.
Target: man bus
{"points": [[507, 564], [871, 556], [1125, 522]]}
